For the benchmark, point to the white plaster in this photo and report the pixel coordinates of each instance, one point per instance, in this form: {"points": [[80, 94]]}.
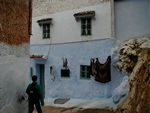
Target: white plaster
{"points": [[132, 19], [13, 82], [18, 50], [121, 90], [66, 29], [83, 103], [146, 44], [114, 55]]}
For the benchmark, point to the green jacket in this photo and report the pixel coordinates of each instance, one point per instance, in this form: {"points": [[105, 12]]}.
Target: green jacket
{"points": [[39, 89]]}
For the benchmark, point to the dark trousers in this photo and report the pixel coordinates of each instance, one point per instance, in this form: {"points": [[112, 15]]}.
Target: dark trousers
{"points": [[37, 105]]}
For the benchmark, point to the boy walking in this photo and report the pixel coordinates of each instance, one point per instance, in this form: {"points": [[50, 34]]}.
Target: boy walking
{"points": [[34, 95]]}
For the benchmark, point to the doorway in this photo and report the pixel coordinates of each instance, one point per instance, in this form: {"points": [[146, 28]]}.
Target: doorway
{"points": [[40, 73]]}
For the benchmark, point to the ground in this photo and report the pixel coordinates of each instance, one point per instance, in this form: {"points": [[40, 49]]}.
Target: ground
{"points": [[50, 109]]}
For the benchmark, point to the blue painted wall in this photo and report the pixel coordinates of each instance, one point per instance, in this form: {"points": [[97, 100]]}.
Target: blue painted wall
{"points": [[77, 54]]}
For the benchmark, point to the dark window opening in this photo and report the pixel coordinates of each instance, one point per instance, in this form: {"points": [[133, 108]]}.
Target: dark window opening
{"points": [[86, 25], [46, 31], [65, 73]]}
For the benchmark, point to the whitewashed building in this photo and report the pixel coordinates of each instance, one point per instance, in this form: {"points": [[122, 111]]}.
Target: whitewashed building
{"points": [[71, 32]]}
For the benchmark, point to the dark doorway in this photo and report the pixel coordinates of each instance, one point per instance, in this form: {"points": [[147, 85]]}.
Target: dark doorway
{"points": [[40, 74]]}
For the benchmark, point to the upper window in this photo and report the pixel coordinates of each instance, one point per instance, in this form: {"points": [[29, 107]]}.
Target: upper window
{"points": [[45, 23], [85, 72], [86, 21], [86, 26], [46, 31]]}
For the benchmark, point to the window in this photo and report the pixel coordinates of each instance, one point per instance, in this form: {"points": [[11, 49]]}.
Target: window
{"points": [[45, 24], [86, 25], [86, 21], [65, 73], [85, 72], [46, 30]]}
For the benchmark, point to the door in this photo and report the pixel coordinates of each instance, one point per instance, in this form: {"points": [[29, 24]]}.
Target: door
{"points": [[40, 74]]}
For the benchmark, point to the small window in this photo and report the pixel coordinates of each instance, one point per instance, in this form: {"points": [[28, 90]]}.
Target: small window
{"points": [[46, 30], [85, 72], [86, 25], [65, 73]]}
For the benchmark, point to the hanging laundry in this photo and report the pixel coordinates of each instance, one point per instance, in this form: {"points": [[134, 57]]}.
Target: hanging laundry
{"points": [[100, 71], [52, 73], [65, 62], [93, 70]]}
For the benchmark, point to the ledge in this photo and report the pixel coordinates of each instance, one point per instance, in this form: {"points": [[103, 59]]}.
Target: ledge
{"points": [[84, 14], [43, 21]]}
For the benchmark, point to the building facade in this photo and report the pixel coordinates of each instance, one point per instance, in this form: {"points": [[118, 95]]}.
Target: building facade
{"points": [[66, 35]]}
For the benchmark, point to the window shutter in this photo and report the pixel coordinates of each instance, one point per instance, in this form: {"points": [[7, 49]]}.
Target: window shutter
{"points": [[42, 31], [80, 71], [89, 25]]}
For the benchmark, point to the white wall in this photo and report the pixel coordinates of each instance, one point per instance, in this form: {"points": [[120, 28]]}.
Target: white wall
{"points": [[14, 77], [13, 83], [65, 28], [132, 18]]}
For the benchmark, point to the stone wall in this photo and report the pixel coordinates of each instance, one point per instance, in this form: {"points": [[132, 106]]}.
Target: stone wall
{"points": [[42, 7], [15, 27], [14, 21]]}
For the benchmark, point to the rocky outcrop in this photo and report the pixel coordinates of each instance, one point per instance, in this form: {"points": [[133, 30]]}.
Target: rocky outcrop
{"points": [[129, 54], [135, 61]]}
